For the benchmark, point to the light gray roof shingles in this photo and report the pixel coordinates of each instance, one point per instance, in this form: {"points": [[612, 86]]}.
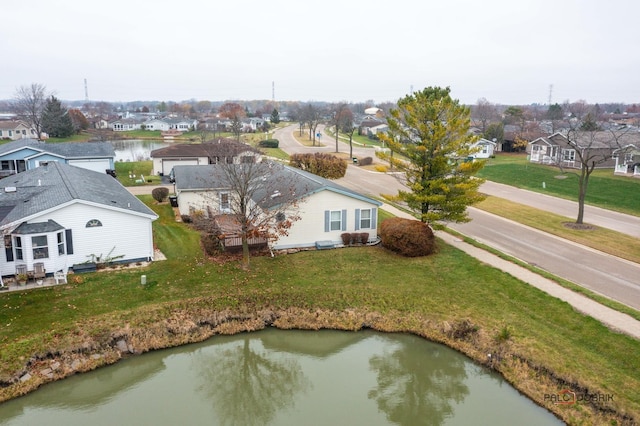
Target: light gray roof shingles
{"points": [[67, 150], [288, 180], [49, 186]]}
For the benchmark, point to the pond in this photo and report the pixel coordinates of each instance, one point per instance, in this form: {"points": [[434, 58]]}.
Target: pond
{"points": [[285, 377], [136, 149]]}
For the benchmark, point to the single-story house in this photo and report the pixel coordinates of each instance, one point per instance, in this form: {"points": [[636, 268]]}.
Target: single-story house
{"points": [[211, 152], [16, 129], [485, 148], [26, 154], [627, 160], [556, 149], [126, 124], [181, 124], [156, 124], [325, 210], [62, 215]]}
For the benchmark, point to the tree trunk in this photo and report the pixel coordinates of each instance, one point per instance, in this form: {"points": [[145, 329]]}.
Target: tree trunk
{"points": [[336, 138], [582, 193]]}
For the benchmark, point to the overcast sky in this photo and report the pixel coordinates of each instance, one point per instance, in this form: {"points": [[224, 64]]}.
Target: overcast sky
{"points": [[507, 51]]}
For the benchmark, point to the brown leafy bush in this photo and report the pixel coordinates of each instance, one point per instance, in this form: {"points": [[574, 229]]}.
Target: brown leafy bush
{"points": [[160, 194], [321, 164], [407, 237], [210, 244], [363, 237], [346, 238]]}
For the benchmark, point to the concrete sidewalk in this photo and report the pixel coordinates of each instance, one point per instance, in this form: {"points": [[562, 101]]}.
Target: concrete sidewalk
{"points": [[609, 317]]}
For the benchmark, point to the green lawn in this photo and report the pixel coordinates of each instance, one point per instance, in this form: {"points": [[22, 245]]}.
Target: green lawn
{"points": [[605, 190], [420, 295]]}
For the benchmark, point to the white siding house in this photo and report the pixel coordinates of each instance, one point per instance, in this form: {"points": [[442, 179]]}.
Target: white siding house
{"points": [[326, 210], [62, 215]]}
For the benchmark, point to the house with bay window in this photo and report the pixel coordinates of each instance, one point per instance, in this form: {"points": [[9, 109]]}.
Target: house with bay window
{"points": [[60, 215], [324, 209]]}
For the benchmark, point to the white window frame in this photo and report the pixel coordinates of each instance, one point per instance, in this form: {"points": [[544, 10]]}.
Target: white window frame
{"points": [[335, 224], [40, 251], [365, 223], [61, 245]]}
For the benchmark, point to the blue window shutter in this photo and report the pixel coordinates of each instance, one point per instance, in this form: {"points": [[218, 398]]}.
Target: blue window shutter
{"points": [[374, 218], [327, 219], [344, 220], [357, 219]]}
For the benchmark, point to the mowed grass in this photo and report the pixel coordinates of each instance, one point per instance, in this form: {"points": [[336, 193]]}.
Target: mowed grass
{"points": [[605, 190], [448, 286]]}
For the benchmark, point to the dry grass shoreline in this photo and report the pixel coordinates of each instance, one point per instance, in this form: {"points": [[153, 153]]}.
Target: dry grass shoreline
{"points": [[104, 342]]}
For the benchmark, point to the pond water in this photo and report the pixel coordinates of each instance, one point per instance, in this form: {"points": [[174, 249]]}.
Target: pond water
{"points": [[136, 149], [278, 377]]}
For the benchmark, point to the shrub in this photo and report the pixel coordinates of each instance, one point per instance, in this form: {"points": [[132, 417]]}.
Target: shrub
{"points": [[160, 194], [185, 218], [321, 164], [381, 168], [366, 161], [269, 143], [210, 244], [346, 238], [407, 237], [363, 237]]}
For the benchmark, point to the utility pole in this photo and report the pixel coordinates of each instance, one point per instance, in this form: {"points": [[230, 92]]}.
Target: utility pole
{"points": [[550, 93], [86, 91]]}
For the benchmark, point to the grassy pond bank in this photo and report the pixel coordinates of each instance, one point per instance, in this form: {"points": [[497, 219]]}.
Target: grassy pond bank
{"points": [[541, 345]]}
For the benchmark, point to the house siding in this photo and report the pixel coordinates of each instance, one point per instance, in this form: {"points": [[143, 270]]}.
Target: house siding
{"points": [[311, 227], [127, 234], [197, 200]]}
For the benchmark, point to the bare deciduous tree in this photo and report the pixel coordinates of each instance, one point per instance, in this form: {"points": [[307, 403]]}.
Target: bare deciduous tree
{"points": [[485, 112], [29, 103], [264, 199], [589, 150], [339, 115]]}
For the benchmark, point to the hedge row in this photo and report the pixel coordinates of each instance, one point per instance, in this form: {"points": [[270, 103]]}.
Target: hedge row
{"points": [[321, 164], [269, 143]]}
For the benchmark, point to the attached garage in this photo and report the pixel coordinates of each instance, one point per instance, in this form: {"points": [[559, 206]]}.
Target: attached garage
{"points": [[97, 165], [167, 164]]}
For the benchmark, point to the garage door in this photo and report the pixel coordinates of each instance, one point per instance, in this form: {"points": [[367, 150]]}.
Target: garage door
{"points": [[167, 165], [97, 165]]}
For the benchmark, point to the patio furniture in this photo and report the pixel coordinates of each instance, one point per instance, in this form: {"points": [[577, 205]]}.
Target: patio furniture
{"points": [[61, 275], [21, 273], [38, 271]]}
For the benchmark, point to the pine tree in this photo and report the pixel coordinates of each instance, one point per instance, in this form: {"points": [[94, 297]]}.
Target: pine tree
{"points": [[55, 119], [275, 116], [429, 132]]}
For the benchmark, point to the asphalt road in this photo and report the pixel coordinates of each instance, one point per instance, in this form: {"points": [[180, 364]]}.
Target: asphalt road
{"points": [[602, 273]]}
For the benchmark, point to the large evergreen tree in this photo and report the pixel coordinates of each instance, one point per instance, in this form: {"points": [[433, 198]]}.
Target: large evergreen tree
{"points": [[275, 116], [430, 133], [56, 121]]}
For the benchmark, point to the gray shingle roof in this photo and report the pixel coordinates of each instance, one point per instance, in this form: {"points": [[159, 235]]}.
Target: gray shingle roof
{"points": [[68, 150], [286, 179], [50, 186]]}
